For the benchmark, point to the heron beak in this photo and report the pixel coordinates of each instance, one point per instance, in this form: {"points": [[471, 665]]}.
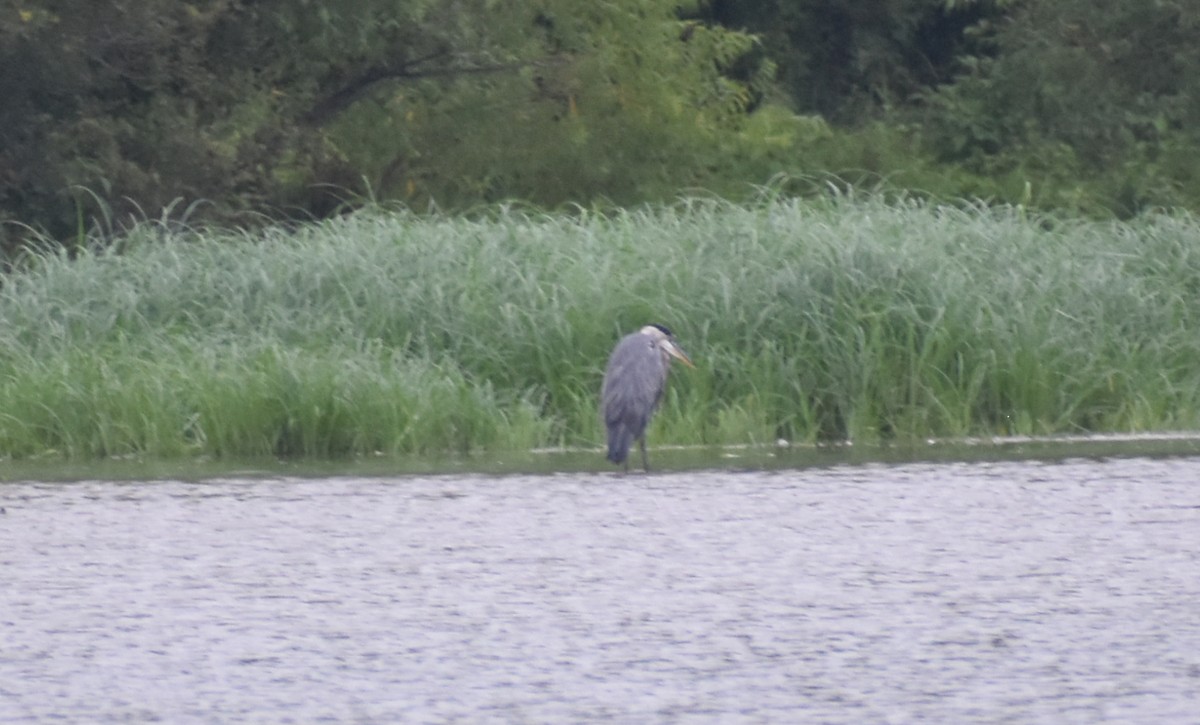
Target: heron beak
{"points": [[677, 352]]}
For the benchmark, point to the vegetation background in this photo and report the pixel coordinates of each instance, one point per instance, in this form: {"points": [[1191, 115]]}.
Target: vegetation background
{"points": [[385, 332], [299, 227], [240, 112]]}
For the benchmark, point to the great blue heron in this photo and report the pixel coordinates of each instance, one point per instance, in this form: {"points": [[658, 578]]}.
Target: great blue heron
{"points": [[633, 387]]}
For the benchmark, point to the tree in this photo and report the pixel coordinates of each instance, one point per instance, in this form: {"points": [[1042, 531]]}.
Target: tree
{"points": [[850, 60], [1099, 90], [290, 104]]}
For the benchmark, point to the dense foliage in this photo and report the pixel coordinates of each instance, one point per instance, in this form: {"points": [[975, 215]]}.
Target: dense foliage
{"points": [[1101, 97], [228, 109], [290, 105], [397, 333]]}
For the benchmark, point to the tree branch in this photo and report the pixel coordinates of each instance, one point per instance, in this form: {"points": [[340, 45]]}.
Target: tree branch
{"points": [[361, 85]]}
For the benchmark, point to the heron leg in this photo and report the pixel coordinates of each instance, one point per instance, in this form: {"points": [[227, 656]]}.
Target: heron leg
{"points": [[645, 460]]}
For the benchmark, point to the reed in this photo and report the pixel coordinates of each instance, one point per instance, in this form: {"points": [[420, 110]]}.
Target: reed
{"points": [[384, 331]]}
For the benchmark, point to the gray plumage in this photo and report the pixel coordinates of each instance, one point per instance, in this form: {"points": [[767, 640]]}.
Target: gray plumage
{"points": [[633, 387]]}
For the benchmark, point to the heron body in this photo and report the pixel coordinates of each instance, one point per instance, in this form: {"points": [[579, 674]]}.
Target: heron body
{"points": [[634, 381]]}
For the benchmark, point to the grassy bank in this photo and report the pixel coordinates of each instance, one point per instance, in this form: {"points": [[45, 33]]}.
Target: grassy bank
{"points": [[394, 333]]}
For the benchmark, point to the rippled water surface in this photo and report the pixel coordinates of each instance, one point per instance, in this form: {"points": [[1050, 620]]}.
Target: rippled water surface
{"points": [[1050, 592]]}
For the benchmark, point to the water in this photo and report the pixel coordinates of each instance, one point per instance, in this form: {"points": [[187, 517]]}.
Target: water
{"points": [[1000, 591]]}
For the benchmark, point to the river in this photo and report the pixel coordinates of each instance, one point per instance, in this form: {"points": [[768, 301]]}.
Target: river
{"points": [[1056, 591]]}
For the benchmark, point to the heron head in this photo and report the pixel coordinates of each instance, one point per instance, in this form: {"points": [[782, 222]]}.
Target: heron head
{"points": [[665, 341]]}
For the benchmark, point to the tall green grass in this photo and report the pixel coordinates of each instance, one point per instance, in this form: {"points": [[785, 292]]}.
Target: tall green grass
{"points": [[389, 332]]}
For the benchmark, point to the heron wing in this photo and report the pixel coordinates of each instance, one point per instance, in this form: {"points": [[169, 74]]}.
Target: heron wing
{"points": [[633, 383]]}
